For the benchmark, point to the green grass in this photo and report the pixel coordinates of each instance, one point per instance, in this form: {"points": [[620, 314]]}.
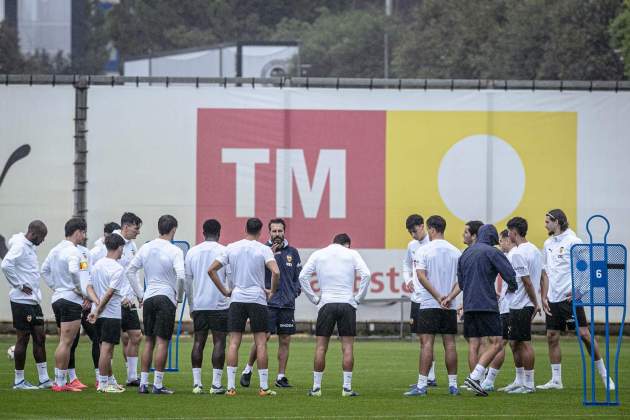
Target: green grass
{"points": [[383, 369]]}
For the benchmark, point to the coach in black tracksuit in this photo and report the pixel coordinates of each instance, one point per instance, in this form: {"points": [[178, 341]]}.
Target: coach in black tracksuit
{"points": [[281, 307]]}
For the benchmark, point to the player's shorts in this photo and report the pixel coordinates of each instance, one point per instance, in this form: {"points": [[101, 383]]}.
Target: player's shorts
{"points": [[88, 328], [505, 325], [158, 315], [281, 321], [108, 330], [561, 317], [240, 312], [413, 316], [343, 315], [66, 311], [129, 319], [214, 320], [482, 324], [521, 323], [25, 316], [436, 321]]}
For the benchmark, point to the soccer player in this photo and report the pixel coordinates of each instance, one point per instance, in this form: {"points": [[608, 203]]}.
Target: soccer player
{"points": [[247, 259], [62, 272], [436, 266], [130, 322], [208, 307], [415, 227], [335, 267], [506, 245], [21, 269], [107, 281], [476, 273], [282, 306], [556, 297], [527, 263], [163, 265]]}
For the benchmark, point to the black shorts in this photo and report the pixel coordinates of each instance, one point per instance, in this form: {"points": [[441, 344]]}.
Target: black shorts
{"points": [[129, 319], [88, 328], [437, 321], [108, 330], [25, 316], [482, 324], [158, 315], [521, 324], [66, 311], [239, 312], [281, 321], [210, 320], [505, 325], [561, 317], [413, 316], [343, 315]]}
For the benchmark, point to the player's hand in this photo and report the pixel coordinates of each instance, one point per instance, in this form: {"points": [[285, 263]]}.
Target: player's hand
{"points": [[537, 311], [545, 306], [228, 293], [444, 302], [269, 294], [569, 296], [410, 286], [126, 303], [27, 290], [460, 311], [91, 318], [86, 304], [140, 302], [275, 246]]}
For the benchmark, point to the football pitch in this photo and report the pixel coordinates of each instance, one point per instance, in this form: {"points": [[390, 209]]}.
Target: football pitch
{"points": [[383, 370]]}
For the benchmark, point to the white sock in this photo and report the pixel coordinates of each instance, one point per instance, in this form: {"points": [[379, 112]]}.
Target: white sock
{"points": [[144, 378], [280, 376], [248, 368], [42, 371], [422, 381], [196, 376], [60, 377], [492, 375], [72, 375], [431, 375], [103, 381], [231, 373], [19, 376], [317, 379], [263, 374], [601, 368], [529, 379], [477, 373], [56, 373], [347, 380], [97, 374], [556, 373], [157, 379], [132, 368], [452, 380], [216, 377], [520, 376]]}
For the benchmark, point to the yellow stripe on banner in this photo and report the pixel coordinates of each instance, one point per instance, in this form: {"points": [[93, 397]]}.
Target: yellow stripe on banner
{"points": [[424, 147]]}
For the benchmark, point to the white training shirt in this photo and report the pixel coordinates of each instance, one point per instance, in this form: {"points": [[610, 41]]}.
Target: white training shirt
{"points": [[556, 260], [163, 265], [129, 251], [439, 259], [85, 263], [201, 292], [409, 268], [335, 267], [21, 268], [247, 260], [61, 271], [504, 297], [526, 261], [109, 274]]}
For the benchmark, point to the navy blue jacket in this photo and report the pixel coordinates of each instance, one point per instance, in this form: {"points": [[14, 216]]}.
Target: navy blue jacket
{"points": [[477, 271], [289, 288]]}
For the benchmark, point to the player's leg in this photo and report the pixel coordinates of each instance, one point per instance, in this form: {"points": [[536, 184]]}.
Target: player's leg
{"points": [[219, 339], [450, 358], [149, 320], [68, 334], [319, 363], [237, 319], [347, 327], [424, 364], [285, 328], [38, 333], [165, 321], [474, 344], [131, 350], [200, 336], [21, 343], [258, 321], [90, 331]]}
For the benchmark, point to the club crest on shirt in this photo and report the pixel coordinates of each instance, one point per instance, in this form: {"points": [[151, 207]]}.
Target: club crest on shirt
{"points": [[289, 258], [83, 265], [29, 318]]}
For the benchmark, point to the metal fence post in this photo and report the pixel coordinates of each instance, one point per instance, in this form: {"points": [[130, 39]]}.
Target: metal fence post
{"points": [[80, 148]]}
